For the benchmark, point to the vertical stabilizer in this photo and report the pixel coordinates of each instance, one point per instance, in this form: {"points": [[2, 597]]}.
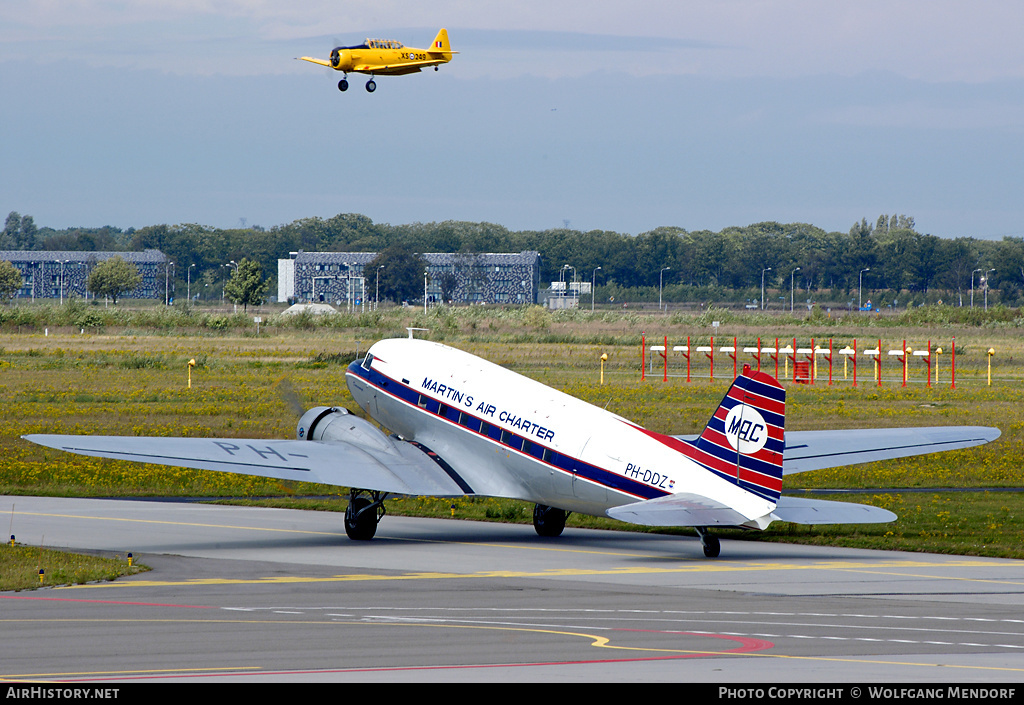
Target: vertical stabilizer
{"points": [[744, 440], [441, 44]]}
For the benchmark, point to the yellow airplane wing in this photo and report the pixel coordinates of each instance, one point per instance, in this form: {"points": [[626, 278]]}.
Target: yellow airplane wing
{"points": [[315, 61], [397, 67]]}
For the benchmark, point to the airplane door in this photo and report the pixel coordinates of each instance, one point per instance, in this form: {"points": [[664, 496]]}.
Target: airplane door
{"points": [[584, 485]]}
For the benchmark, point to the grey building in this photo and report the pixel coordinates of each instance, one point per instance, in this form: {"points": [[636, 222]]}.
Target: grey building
{"points": [[55, 275], [339, 278]]}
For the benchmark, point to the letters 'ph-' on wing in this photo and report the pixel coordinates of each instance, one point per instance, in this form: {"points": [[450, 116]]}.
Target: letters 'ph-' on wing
{"points": [[401, 469]]}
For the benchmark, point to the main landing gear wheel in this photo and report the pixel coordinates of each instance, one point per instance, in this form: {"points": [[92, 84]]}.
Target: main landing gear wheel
{"points": [[549, 521], [711, 544], [371, 86], [343, 85], [363, 514]]}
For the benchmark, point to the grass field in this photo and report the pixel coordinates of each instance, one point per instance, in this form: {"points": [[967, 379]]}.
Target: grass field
{"points": [[131, 379], [28, 567]]}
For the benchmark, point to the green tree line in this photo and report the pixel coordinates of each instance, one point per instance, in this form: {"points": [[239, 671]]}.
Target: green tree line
{"points": [[887, 254]]}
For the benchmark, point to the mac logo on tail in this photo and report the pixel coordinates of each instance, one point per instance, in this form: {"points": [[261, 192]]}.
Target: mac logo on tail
{"points": [[745, 429]]}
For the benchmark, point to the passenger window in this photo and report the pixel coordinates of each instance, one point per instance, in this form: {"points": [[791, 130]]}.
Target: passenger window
{"points": [[511, 439]]}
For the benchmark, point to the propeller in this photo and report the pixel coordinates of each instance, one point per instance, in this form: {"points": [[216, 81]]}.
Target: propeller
{"points": [[290, 396]]}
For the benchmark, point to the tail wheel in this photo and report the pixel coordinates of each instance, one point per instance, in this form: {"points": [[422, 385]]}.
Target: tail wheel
{"points": [[712, 546], [549, 521]]}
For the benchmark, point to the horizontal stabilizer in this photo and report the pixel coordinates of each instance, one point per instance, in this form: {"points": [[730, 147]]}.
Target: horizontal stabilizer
{"points": [[816, 450], [683, 509], [398, 467], [822, 511]]}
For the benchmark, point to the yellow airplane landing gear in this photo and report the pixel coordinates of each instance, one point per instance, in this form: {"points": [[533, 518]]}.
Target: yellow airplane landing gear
{"points": [[371, 86], [343, 85]]}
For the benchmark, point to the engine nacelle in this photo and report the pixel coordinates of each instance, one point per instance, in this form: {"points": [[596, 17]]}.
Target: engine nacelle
{"points": [[341, 60], [333, 423]]}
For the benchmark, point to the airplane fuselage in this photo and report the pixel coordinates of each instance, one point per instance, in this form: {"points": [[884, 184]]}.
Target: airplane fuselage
{"points": [[388, 58], [552, 448]]}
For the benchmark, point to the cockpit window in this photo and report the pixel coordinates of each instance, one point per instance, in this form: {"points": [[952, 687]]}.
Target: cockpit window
{"points": [[380, 44], [367, 361]]}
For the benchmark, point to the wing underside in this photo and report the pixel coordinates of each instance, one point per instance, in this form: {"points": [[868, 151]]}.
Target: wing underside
{"points": [[399, 467]]}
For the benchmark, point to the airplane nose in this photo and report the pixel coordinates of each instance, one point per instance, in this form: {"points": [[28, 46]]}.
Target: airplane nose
{"points": [[335, 58]]}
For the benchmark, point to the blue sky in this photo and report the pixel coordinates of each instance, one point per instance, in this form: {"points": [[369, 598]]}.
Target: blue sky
{"points": [[607, 115]]}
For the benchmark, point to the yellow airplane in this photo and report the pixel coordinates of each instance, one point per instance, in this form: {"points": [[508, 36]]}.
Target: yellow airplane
{"points": [[385, 57]]}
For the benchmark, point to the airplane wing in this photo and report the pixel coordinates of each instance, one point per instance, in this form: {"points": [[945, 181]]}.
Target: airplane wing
{"points": [[397, 68], [816, 450], [310, 59], [399, 467]]}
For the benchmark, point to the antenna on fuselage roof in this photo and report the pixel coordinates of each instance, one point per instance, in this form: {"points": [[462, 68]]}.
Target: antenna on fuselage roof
{"points": [[412, 329]]}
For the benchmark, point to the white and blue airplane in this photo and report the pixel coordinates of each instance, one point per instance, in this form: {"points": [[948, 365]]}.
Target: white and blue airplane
{"points": [[464, 426]]}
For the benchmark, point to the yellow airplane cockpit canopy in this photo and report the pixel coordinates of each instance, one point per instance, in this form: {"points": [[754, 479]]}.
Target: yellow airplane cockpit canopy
{"points": [[376, 44], [383, 44]]}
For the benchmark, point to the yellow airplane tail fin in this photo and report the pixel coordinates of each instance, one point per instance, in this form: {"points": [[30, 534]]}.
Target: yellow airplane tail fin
{"points": [[441, 44]]}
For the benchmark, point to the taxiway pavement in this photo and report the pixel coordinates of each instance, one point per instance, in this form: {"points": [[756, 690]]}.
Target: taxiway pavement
{"points": [[255, 594]]}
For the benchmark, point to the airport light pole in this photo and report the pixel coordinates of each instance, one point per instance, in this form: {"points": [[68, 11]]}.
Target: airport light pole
{"points": [[229, 265], [593, 281], [791, 288], [376, 297], [188, 285], [860, 288], [167, 288], [661, 285], [972, 285], [766, 269], [985, 280]]}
